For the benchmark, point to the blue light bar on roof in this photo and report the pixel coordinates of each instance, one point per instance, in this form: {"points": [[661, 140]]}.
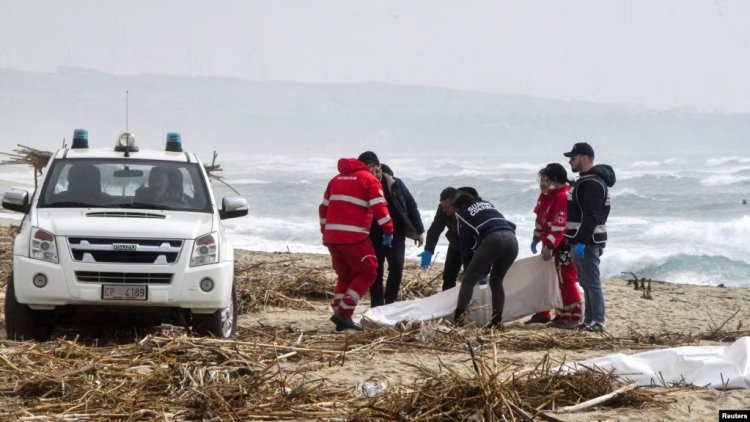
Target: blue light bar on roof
{"points": [[174, 142], [80, 138]]}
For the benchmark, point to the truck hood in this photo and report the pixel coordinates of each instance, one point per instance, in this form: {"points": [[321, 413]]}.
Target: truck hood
{"points": [[124, 223]]}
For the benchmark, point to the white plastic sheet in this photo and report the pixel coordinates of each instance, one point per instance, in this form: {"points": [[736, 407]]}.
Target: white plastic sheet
{"points": [[715, 366], [530, 286]]}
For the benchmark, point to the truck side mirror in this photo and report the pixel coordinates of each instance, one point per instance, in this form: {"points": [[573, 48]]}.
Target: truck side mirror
{"points": [[17, 200], [233, 206]]}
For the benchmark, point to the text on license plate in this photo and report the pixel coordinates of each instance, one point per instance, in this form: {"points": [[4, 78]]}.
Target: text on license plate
{"points": [[120, 292]]}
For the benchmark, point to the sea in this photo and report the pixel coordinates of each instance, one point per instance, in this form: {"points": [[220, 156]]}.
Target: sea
{"points": [[680, 218]]}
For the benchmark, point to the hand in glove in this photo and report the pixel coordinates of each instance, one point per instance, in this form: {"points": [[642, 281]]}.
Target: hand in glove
{"points": [[388, 240], [533, 245], [579, 249], [426, 259], [484, 279]]}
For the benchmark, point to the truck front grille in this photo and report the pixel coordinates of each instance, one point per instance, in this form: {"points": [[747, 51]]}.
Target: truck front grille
{"points": [[129, 251], [126, 278]]}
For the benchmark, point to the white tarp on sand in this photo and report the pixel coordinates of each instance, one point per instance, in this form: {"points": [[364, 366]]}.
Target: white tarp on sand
{"points": [[715, 366], [530, 286]]}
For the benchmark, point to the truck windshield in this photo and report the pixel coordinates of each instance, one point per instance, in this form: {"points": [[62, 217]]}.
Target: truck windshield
{"points": [[117, 183]]}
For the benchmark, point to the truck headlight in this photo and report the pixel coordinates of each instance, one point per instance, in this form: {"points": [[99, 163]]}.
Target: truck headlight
{"points": [[205, 250], [43, 245]]}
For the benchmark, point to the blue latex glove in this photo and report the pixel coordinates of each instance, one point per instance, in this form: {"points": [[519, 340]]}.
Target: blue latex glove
{"points": [[426, 258], [484, 279], [533, 246], [579, 250], [388, 240]]}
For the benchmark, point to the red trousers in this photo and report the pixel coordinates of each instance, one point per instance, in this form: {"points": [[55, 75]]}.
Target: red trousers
{"points": [[356, 267], [567, 278], [572, 300]]}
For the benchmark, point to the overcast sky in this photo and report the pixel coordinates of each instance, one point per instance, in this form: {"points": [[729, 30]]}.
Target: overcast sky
{"points": [[657, 53]]}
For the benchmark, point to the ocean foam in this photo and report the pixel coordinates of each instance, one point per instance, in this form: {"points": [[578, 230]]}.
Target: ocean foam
{"points": [[721, 234], [711, 162], [617, 192], [723, 180]]}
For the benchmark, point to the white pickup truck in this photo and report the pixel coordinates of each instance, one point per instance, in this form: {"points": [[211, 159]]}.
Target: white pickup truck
{"points": [[120, 233]]}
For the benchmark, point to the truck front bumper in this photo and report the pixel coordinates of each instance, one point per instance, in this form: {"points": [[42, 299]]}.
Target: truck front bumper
{"points": [[64, 287]]}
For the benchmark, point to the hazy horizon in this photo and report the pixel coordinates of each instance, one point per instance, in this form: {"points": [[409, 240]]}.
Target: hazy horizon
{"points": [[266, 117], [656, 53]]}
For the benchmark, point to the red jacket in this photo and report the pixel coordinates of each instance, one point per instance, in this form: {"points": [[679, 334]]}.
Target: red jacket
{"points": [[552, 216], [542, 203], [349, 202]]}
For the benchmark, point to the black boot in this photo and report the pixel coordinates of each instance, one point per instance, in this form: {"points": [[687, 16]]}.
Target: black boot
{"points": [[496, 321], [459, 318], [344, 323]]}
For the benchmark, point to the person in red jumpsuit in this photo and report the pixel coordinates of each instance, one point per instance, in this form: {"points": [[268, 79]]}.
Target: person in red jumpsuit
{"points": [[554, 216], [350, 201]]}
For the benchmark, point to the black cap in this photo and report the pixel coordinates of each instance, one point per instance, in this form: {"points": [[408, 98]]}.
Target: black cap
{"points": [[580, 148], [369, 158]]}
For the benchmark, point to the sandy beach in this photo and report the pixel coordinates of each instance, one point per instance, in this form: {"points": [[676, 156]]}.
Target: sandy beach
{"points": [[672, 309], [634, 324]]}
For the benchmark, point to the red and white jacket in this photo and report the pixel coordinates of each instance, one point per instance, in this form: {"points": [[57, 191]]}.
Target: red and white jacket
{"points": [[349, 203], [542, 203], [552, 215]]}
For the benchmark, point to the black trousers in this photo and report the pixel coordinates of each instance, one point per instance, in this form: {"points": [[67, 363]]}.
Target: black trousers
{"points": [[394, 256], [495, 255], [452, 267]]}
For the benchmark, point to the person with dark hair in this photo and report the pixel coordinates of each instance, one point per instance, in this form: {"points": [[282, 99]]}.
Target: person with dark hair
{"points": [[350, 201], [586, 230], [542, 204], [406, 223], [445, 218], [487, 244], [468, 189], [552, 216]]}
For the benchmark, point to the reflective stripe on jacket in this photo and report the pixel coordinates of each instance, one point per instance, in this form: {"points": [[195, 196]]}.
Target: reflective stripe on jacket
{"points": [[349, 203]]}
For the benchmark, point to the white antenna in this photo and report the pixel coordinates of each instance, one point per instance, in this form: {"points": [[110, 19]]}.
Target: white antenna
{"points": [[126, 110]]}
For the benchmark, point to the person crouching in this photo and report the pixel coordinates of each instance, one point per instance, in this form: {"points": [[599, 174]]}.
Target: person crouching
{"points": [[488, 244]]}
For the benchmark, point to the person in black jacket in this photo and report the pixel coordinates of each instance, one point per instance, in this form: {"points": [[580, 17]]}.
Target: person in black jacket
{"points": [[406, 223], [586, 230], [488, 244], [444, 218]]}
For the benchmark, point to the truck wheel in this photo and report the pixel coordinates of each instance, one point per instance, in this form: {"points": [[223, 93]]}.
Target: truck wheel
{"points": [[220, 324], [22, 322]]}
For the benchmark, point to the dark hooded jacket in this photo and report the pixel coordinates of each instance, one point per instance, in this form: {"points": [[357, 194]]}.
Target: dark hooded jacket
{"points": [[403, 210], [439, 224], [588, 206]]}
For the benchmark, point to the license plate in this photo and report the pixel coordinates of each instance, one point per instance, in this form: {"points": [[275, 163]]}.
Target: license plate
{"points": [[120, 292]]}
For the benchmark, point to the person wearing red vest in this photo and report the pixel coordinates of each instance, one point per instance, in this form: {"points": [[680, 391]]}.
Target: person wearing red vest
{"points": [[542, 205], [350, 201], [554, 244]]}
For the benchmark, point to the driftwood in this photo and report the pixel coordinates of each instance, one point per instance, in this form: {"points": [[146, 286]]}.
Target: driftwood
{"points": [[645, 284], [24, 155], [214, 168], [598, 400], [271, 371]]}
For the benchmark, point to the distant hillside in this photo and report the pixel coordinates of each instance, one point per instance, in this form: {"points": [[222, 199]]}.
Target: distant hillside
{"points": [[39, 109]]}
